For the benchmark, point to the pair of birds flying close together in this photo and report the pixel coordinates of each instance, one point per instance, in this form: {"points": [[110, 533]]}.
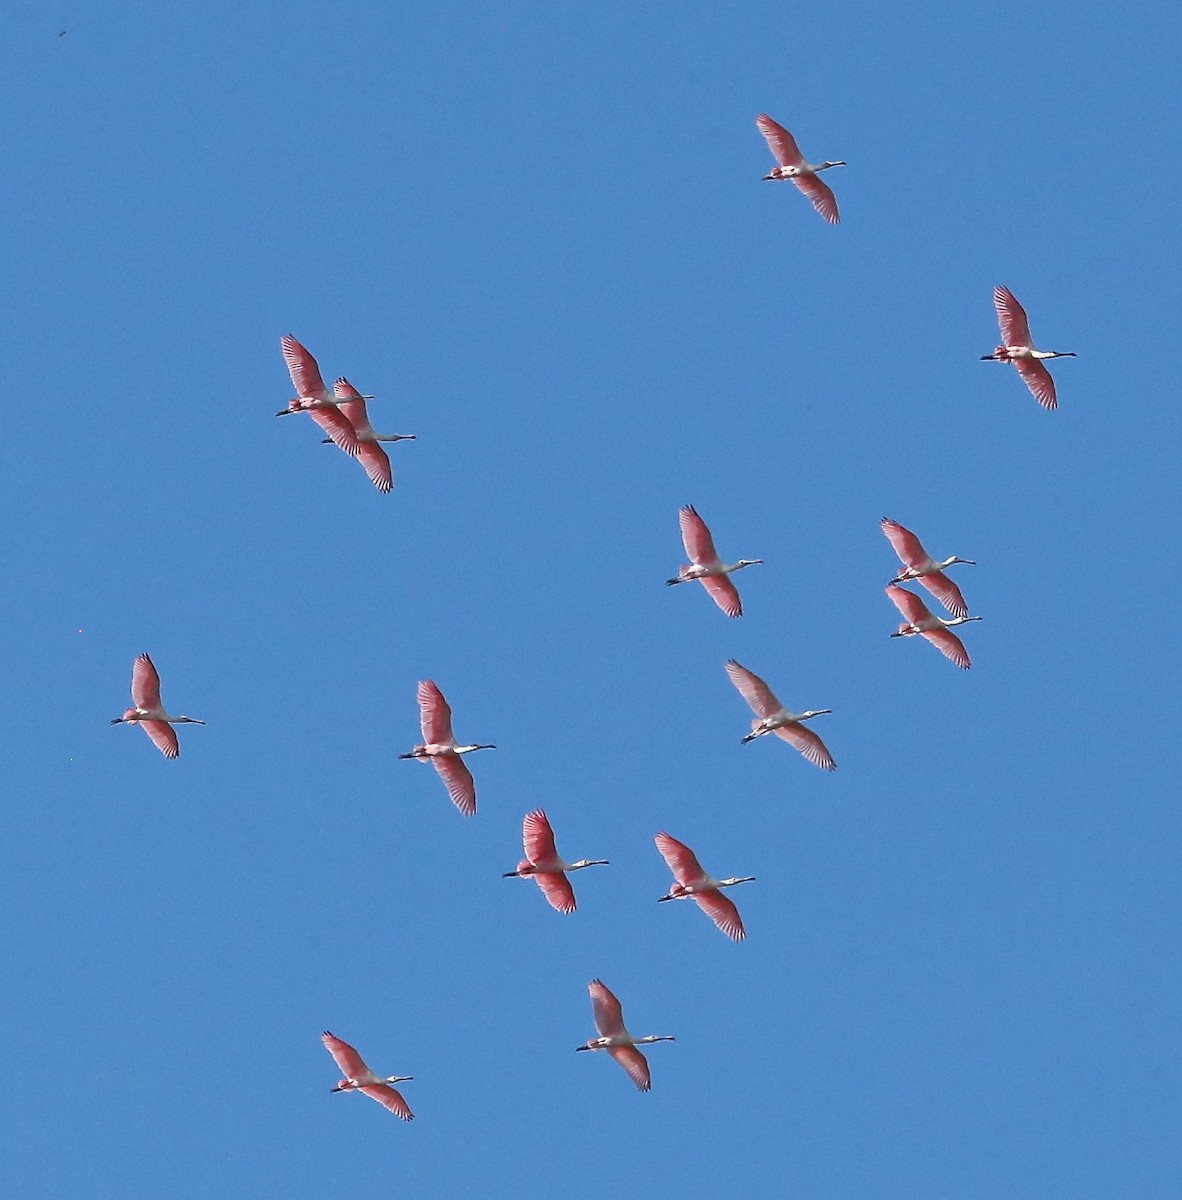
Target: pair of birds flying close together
{"points": [[548, 869], [609, 1021], [341, 414], [1016, 346]]}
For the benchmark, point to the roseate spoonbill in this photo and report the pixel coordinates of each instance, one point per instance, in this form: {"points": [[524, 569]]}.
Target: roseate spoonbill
{"points": [[793, 166], [918, 619], [542, 862], [359, 1078], [921, 566], [692, 883], [706, 566], [313, 397], [148, 712], [371, 456], [439, 747], [1018, 348], [615, 1039], [773, 717]]}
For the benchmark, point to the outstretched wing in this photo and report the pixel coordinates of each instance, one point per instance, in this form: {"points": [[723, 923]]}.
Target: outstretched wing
{"points": [[377, 465], [305, 374], [337, 426], [458, 780], [695, 536], [905, 544], [722, 911], [1011, 318], [680, 859], [537, 837], [949, 645], [389, 1098], [781, 143], [634, 1063], [609, 1016], [145, 683], [557, 889], [753, 689], [164, 737], [908, 603], [945, 591], [821, 194], [349, 1062], [434, 714], [808, 743], [724, 593], [1038, 379]]}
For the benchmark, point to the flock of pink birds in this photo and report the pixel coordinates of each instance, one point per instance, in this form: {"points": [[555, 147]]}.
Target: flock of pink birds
{"points": [[341, 415]]}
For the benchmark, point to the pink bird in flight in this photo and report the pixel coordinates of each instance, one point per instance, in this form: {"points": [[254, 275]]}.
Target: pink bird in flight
{"points": [[919, 565], [543, 863], [1018, 348], [359, 1078], [439, 747], [917, 619], [313, 397], [148, 712], [692, 883], [773, 717], [615, 1039], [792, 165], [706, 566], [369, 453]]}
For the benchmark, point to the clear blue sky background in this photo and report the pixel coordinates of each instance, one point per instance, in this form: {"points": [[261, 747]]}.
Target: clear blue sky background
{"points": [[538, 232]]}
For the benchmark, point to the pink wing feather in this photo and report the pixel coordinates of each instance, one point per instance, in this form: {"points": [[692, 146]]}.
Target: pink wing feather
{"points": [[724, 593], [1038, 379], [635, 1064], [949, 645], [305, 374], [389, 1098], [722, 911], [808, 743], [349, 1062], [905, 544], [609, 1016], [145, 683], [459, 782], [557, 890], [781, 143], [434, 714], [946, 592], [680, 859], [821, 194], [758, 695], [1011, 318], [377, 465], [695, 536], [164, 737], [909, 604], [537, 837]]}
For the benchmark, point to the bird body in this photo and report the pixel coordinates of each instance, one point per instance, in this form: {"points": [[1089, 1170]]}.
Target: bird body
{"points": [[920, 565], [615, 1038], [918, 619], [706, 566], [544, 864], [692, 883], [149, 713], [369, 453], [1018, 347], [313, 397], [359, 1078], [439, 747], [793, 165], [773, 717]]}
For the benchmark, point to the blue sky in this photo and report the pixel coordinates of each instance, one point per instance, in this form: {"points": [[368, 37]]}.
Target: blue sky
{"points": [[539, 234]]}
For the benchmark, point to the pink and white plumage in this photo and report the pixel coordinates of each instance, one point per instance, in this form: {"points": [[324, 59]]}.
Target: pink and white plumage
{"points": [[692, 883], [1018, 347], [439, 747], [369, 453], [615, 1038], [705, 565], [793, 165], [918, 619], [773, 717], [921, 566], [148, 712], [543, 862], [359, 1078], [313, 397]]}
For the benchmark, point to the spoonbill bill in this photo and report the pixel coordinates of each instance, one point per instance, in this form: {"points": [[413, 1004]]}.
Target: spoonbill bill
{"points": [[792, 165], [918, 619], [439, 747], [542, 862], [615, 1039], [692, 883], [773, 717], [706, 566], [313, 397], [1018, 348], [920, 565], [359, 1078], [371, 456], [148, 712]]}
